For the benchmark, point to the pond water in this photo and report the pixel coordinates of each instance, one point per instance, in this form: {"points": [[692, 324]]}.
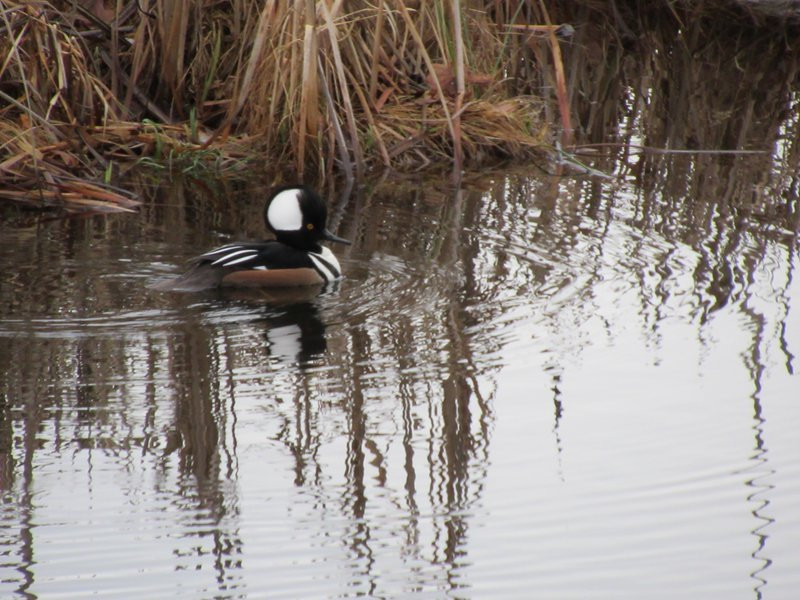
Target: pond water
{"points": [[528, 385], [550, 386]]}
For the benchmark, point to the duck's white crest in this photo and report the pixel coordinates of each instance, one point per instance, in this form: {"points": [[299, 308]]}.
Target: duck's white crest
{"points": [[284, 211]]}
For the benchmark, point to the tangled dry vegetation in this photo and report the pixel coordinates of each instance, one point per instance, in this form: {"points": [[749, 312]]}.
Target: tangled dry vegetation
{"points": [[89, 85]]}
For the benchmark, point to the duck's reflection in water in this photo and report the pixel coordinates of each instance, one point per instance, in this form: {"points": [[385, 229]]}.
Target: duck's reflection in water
{"points": [[293, 327], [296, 333]]}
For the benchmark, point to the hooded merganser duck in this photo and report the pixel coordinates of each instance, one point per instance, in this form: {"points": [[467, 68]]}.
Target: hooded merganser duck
{"points": [[297, 216]]}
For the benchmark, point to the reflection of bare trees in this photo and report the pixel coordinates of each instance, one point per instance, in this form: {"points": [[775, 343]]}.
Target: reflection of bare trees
{"points": [[82, 378], [705, 87], [731, 221]]}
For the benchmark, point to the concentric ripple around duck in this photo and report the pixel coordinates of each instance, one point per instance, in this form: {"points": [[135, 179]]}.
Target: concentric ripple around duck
{"points": [[387, 285]]}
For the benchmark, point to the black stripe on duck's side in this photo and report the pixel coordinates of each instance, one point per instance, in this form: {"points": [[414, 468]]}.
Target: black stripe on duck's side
{"points": [[328, 269]]}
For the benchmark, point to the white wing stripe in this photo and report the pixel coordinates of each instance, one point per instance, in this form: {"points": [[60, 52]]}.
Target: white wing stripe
{"points": [[236, 261], [322, 268], [223, 259], [211, 253]]}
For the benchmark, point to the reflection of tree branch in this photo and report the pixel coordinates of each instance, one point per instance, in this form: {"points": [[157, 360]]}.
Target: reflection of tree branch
{"points": [[714, 204], [755, 364], [558, 410], [760, 488], [195, 435], [784, 303]]}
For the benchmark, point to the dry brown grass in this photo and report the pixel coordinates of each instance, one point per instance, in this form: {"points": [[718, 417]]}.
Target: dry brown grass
{"points": [[87, 87], [321, 85]]}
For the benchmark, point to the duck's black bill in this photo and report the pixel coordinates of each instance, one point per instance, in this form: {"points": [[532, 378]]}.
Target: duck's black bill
{"points": [[327, 235]]}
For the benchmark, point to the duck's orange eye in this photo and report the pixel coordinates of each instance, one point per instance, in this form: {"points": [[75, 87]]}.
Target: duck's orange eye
{"points": [[310, 226]]}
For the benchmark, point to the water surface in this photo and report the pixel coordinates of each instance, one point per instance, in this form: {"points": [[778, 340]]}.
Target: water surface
{"points": [[551, 385]]}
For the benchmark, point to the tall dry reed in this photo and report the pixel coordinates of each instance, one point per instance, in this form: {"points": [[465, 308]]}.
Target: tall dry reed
{"points": [[87, 85]]}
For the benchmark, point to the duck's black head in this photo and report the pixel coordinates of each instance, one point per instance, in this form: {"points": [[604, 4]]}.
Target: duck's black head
{"points": [[298, 217]]}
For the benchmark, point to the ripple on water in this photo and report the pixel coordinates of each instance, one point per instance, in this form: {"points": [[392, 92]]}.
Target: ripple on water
{"points": [[102, 325], [389, 286]]}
